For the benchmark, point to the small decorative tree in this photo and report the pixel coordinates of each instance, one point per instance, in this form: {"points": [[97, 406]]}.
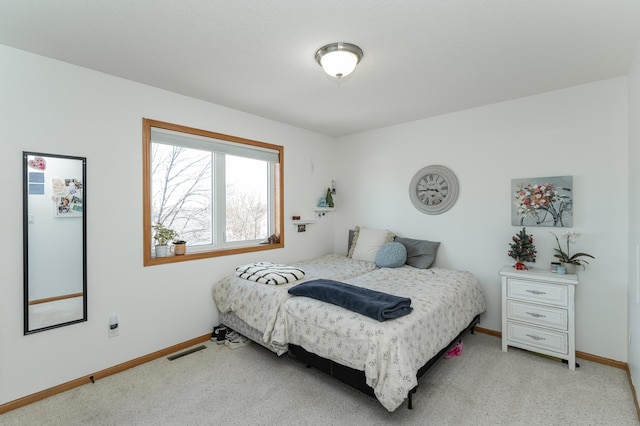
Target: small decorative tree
{"points": [[329, 198], [522, 249]]}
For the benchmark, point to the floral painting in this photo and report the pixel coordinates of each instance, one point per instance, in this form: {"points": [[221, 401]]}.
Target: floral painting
{"points": [[545, 201]]}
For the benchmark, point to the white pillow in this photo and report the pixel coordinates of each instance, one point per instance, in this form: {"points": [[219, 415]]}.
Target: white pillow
{"points": [[369, 242]]}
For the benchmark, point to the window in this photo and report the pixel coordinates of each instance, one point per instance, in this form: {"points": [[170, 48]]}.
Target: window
{"points": [[222, 194]]}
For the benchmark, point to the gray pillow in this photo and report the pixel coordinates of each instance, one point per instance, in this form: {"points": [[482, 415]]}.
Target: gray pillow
{"points": [[420, 253]]}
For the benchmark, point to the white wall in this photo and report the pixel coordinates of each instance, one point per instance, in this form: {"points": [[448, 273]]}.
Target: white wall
{"points": [[580, 131], [634, 214], [49, 106]]}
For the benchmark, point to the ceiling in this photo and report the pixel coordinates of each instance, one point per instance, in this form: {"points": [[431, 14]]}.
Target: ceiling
{"points": [[421, 58]]}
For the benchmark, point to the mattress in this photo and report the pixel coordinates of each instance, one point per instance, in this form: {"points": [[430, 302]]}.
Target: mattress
{"points": [[390, 353]]}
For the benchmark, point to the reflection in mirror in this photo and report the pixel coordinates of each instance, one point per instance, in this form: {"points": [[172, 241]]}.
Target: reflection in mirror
{"points": [[54, 233]]}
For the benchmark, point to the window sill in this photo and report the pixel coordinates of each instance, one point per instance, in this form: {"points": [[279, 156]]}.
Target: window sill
{"points": [[152, 261]]}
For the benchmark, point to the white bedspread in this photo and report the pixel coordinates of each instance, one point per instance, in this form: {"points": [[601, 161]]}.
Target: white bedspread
{"points": [[391, 352], [259, 305]]}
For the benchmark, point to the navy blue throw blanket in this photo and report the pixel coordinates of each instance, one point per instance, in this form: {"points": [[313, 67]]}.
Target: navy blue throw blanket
{"points": [[374, 304]]}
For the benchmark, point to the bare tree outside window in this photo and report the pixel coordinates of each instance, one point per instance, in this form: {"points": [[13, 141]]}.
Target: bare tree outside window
{"points": [[181, 191], [182, 194], [246, 199], [246, 216]]}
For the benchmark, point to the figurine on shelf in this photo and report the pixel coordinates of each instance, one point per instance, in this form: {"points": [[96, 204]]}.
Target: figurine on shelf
{"points": [[323, 202]]}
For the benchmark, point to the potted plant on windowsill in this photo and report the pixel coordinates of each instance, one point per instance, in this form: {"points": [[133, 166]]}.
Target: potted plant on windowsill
{"points": [[179, 247], [162, 235], [569, 261]]}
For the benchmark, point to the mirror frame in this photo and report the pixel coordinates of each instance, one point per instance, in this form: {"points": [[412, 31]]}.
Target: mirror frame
{"points": [[25, 236]]}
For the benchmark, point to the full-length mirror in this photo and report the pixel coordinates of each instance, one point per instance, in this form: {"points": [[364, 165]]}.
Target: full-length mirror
{"points": [[54, 241]]}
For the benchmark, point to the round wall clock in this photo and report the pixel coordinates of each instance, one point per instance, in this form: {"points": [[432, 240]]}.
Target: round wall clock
{"points": [[434, 189]]}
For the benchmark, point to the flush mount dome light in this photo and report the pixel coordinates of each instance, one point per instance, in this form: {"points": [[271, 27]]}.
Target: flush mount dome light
{"points": [[339, 59]]}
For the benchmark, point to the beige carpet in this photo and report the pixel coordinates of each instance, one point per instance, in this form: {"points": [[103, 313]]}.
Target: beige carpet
{"points": [[55, 312], [252, 386]]}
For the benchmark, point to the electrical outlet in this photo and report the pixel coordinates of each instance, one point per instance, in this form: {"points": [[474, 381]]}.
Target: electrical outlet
{"points": [[114, 327]]}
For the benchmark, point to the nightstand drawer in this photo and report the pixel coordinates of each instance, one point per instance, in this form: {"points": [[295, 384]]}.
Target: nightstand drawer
{"points": [[539, 292], [532, 336], [543, 315]]}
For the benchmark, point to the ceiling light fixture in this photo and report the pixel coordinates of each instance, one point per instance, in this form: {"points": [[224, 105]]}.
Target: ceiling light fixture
{"points": [[339, 59]]}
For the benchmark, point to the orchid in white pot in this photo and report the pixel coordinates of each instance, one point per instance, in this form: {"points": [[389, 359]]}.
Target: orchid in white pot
{"points": [[577, 259]]}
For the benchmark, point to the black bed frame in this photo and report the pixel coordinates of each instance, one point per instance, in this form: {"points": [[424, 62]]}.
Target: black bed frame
{"points": [[356, 378]]}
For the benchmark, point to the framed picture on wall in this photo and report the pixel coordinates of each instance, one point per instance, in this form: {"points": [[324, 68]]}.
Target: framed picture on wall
{"points": [[543, 201]]}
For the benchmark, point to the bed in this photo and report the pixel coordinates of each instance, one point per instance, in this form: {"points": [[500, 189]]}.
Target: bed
{"points": [[254, 309], [384, 359]]}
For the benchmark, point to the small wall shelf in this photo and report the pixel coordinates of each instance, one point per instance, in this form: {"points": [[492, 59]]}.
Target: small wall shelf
{"points": [[323, 210], [302, 222]]}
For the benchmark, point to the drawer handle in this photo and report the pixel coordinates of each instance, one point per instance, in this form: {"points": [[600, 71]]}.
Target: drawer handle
{"points": [[536, 315], [536, 292], [535, 337]]}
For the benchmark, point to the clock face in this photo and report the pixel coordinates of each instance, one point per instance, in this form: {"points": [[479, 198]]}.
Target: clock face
{"points": [[434, 189]]}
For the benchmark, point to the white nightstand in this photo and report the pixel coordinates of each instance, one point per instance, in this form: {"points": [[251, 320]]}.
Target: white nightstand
{"points": [[538, 312]]}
